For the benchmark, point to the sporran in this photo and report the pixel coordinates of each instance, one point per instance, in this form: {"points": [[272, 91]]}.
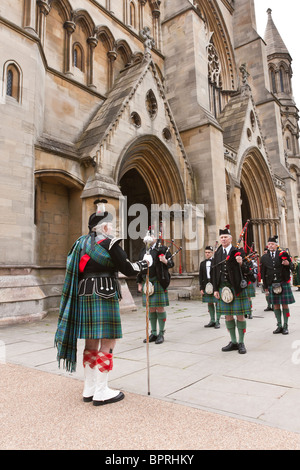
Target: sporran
{"points": [[277, 288], [209, 289], [150, 288], [227, 295]]}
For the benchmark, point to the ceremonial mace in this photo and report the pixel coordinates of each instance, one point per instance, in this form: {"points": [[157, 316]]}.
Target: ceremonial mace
{"points": [[148, 240]]}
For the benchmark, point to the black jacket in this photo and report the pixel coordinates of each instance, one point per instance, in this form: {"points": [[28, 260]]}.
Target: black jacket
{"points": [[203, 279], [272, 270], [158, 269], [235, 273]]}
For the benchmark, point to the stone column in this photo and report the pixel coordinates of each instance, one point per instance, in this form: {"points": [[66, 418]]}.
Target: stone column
{"points": [[43, 11], [141, 14], [70, 27], [112, 55], [92, 42], [156, 28], [30, 16]]}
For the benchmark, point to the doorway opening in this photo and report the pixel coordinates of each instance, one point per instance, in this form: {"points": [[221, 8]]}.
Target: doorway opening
{"points": [[134, 188], [246, 215]]}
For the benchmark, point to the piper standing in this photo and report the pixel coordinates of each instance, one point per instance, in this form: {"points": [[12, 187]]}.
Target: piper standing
{"points": [[276, 267], [160, 261], [89, 305], [206, 287], [230, 289]]}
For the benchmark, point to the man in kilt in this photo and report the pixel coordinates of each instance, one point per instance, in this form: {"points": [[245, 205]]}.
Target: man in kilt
{"points": [[159, 277], [276, 267], [206, 287], [89, 307], [230, 289]]}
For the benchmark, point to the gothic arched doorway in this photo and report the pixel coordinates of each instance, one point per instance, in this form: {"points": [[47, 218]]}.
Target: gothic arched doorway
{"points": [[258, 200], [148, 174], [134, 188]]}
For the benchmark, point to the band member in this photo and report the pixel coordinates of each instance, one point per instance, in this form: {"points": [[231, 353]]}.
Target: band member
{"points": [[89, 305], [276, 267], [296, 273], [251, 285], [230, 289], [160, 261], [206, 287], [269, 306]]}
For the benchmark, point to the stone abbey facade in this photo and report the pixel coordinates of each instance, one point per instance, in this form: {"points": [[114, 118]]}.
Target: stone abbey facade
{"points": [[149, 101]]}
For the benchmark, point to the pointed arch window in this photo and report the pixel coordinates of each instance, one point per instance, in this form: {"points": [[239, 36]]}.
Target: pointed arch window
{"points": [[78, 56], [132, 15], [273, 81], [13, 82], [214, 80]]}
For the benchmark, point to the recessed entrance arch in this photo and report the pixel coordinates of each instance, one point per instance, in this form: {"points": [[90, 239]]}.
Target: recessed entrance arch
{"points": [[148, 174], [258, 199]]}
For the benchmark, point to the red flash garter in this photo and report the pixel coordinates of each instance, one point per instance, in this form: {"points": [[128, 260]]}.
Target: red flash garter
{"points": [[104, 361]]}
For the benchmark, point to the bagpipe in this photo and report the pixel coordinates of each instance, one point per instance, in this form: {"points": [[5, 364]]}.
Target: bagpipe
{"points": [[248, 274], [163, 270]]}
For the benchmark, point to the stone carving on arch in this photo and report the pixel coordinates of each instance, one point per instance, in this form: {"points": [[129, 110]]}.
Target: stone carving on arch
{"points": [[84, 17], [148, 155], [104, 35], [221, 38], [257, 181], [64, 6], [123, 48]]}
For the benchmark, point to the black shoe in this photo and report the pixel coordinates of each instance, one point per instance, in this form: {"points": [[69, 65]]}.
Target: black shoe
{"points": [[160, 339], [285, 331], [268, 309], [230, 347], [278, 330], [241, 348], [217, 325], [210, 324], [152, 338], [119, 397]]}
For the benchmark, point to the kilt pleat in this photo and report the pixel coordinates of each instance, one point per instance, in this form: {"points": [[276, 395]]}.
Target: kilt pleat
{"points": [[209, 298], [286, 297], [241, 304], [251, 290], [160, 296], [98, 317]]}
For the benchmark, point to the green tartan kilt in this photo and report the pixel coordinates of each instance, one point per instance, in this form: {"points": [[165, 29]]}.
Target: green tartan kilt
{"points": [[209, 298], [251, 290], [241, 304], [159, 298], [99, 318], [286, 297]]}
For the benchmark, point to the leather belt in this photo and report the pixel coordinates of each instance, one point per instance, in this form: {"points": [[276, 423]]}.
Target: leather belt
{"points": [[97, 275]]}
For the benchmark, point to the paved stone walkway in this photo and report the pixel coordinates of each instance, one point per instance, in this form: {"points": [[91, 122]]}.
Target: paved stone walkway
{"points": [[200, 397]]}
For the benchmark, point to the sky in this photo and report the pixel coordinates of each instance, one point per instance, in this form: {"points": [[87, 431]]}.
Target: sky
{"points": [[285, 15]]}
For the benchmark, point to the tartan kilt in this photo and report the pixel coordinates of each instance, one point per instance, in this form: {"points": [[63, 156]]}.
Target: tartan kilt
{"points": [[99, 318], [241, 304], [251, 290], [286, 297], [209, 298], [159, 298]]}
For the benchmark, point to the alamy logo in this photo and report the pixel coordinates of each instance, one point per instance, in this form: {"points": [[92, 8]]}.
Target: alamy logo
{"points": [[171, 222]]}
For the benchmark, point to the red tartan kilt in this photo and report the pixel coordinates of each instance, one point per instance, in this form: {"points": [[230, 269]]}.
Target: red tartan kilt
{"points": [[286, 297]]}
